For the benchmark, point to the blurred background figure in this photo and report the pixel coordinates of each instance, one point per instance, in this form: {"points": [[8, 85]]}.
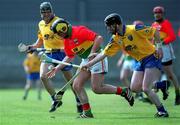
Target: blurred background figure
{"points": [[126, 62], [167, 35], [179, 32], [31, 66]]}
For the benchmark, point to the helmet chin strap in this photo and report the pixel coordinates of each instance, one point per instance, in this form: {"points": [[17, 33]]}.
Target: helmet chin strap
{"points": [[115, 30], [120, 31]]}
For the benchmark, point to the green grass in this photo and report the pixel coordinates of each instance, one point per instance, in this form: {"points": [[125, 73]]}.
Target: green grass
{"points": [[107, 109]]}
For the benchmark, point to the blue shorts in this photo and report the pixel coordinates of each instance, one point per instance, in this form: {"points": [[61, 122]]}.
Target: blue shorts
{"points": [[33, 76], [59, 56], [148, 62]]}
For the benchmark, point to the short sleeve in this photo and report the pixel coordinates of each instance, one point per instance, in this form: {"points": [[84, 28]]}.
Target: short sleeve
{"points": [[39, 35], [112, 47], [145, 31]]}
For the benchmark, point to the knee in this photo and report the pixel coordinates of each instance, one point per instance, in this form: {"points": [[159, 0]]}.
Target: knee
{"points": [[96, 89], [76, 87], [135, 88], [43, 77], [146, 90], [123, 79], [28, 86], [170, 76]]}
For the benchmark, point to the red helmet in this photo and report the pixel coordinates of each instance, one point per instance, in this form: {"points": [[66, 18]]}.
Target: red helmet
{"points": [[158, 9]]}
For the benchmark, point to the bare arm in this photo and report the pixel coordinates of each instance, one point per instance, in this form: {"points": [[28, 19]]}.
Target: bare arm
{"points": [[97, 43], [98, 58], [26, 69], [53, 71], [120, 61], [157, 39], [37, 44], [66, 59], [158, 44]]}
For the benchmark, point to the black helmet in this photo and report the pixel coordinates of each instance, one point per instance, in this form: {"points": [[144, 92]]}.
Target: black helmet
{"points": [[63, 26], [113, 18], [45, 6]]}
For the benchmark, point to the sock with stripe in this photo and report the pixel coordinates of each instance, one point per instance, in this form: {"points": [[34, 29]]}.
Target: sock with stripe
{"points": [[119, 91]]}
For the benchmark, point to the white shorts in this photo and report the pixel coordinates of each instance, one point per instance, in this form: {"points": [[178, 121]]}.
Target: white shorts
{"points": [[100, 67], [128, 64], [168, 53]]}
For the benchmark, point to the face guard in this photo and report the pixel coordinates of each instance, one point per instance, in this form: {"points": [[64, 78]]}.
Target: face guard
{"points": [[112, 21], [62, 28]]}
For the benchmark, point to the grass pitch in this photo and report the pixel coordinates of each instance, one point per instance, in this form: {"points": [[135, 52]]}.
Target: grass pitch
{"points": [[107, 109]]}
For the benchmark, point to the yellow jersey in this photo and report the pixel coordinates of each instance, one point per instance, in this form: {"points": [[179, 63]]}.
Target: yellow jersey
{"points": [[50, 40], [135, 41], [32, 62]]}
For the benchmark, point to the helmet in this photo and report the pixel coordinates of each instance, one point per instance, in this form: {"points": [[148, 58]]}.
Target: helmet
{"points": [[158, 9], [45, 6], [61, 25], [113, 18]]}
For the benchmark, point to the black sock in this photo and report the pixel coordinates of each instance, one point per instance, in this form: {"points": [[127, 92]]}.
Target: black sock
{"points": [[53, 97], [161, 84], [78, 101], [60, 93], [177, 92], [161, 108]]}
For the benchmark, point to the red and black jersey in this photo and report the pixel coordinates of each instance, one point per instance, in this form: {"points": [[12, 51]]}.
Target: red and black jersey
{"points": [[166, 30], [80, 43]]}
